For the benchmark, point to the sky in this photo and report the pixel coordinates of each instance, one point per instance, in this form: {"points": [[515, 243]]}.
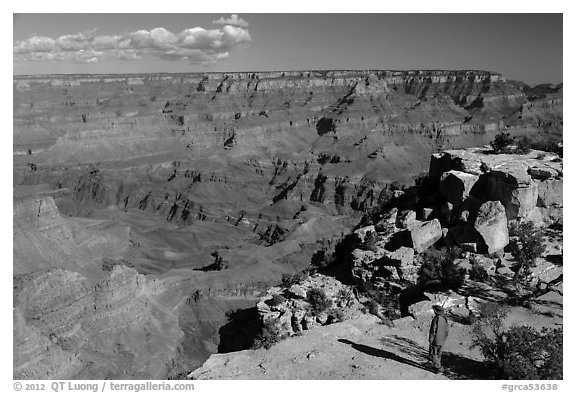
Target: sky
{"points": [[525, 47]]}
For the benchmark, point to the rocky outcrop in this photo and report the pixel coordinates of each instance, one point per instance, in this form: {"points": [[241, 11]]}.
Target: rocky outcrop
{"points": [[291, 310], [528, 186], [119, 326]]}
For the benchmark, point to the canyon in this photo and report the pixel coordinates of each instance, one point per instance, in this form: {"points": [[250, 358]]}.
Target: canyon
{"points": [[147, 208]]}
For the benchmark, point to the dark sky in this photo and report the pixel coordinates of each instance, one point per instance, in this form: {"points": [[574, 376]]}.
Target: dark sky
{"points": [[525, 47]]}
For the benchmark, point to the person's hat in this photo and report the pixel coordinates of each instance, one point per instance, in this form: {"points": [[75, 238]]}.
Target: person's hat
{"points": [[438, 309]]}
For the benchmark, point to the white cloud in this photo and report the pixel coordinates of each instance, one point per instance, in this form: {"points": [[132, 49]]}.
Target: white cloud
{"points": [[234, 20], [196, 45]]}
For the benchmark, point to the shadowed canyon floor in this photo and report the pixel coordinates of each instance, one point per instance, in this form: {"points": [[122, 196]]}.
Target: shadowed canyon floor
{"points": [[146, 207]]}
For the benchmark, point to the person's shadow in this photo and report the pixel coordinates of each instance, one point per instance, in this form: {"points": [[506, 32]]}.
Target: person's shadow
{"points": [[385, 354], [455, 366]]}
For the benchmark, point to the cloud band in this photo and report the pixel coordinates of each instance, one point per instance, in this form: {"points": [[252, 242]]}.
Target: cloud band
{"points": [[197, 45]]}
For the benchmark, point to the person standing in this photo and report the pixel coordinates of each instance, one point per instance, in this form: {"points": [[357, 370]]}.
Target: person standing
{"points": [[437, 337]]}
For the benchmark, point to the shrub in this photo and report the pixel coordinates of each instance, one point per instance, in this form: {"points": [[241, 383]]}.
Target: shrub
{"points": [[527, 246], [384, 304], [523, 145], [345, 297], [370, 241], [233, 314], [291, 279], [501, 143], [439, 271], [268, 335], [221, 264], [318, 300], [335, 315], [276, 300], [320, 260], [478, 272], [521, 352]]}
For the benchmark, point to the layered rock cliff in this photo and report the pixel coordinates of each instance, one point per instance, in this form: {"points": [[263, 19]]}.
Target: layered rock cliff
{"points": [[150, 205]]}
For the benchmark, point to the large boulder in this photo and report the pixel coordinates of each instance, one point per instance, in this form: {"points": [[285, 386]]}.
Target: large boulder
{"points": [[425, 234], [456, 185], [492, 225], [550, 193], [516, 190], [401, 257], [406, 219]]}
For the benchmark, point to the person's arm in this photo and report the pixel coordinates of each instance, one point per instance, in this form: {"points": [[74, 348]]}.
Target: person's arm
{"points": [[433, 328]]}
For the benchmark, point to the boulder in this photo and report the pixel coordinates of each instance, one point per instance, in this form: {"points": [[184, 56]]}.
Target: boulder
{"points": [[425, 234], [505, 271], [551, 297], [446, 211], [559, 287], [542, 172], [427, 213], [474, 303], [406, 219], [387, 221], [456, 185], [361, 232], [420, 309], [296, 291], [448, 300], [444, 233], [471, 247], [545, 271], [550, 193], [516, 190], [492, 225], [401, 257], [388, 273]]}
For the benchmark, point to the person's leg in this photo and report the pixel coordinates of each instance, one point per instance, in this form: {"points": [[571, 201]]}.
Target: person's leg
{"points": [[440, 355], [436, 354]]}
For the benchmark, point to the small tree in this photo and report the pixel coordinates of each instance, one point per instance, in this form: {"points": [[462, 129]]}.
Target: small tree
{"points": [[269, 334], [318, 300], [293, 279], [526, 248], [439, 271], [477, 271], [520, 352], [501, 143], [384, 304], [523, 145]]}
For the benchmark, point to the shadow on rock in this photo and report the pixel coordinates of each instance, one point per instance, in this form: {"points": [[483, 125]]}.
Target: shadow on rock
{"points": [[240, 331], [384, 354], [455, 366]]}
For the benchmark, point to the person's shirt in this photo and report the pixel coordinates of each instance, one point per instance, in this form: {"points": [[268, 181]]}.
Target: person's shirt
{"points": [[438, 330]]}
